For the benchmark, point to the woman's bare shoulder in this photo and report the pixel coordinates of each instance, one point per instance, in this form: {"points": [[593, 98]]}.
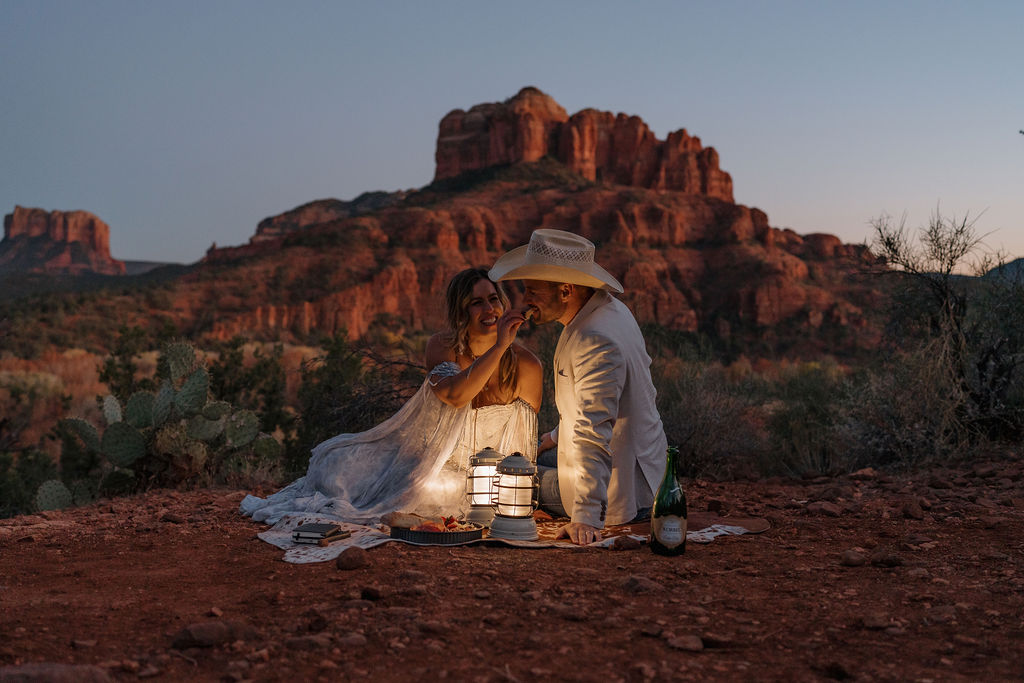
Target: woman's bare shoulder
{"points": [[439, 349], [527, 357]]}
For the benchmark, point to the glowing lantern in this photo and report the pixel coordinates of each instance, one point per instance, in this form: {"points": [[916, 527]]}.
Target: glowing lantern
{"points": [[516, 499], [480, 486]]}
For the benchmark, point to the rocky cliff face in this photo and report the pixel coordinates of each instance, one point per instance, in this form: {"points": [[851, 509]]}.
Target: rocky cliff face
{"points": [[688, 262], [70, 242], [598, 145], [660, 212]]}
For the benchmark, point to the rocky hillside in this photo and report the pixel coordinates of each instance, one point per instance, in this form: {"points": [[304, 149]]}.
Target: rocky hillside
{"points": [[56, 242], [661, 212]]}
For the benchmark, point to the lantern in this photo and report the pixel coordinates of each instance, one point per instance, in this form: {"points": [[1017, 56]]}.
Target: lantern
{"points": [[480, 486], [515, 482]]}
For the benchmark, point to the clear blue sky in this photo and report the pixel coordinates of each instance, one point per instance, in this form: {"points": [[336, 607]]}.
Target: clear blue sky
{"points": [[187, 122]]}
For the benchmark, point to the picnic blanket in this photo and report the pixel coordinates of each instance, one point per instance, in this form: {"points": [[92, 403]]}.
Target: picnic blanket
{"points": [[704, 528]]}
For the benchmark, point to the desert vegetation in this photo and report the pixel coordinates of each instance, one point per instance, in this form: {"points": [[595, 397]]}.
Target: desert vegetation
{"points": [[945, 385]]}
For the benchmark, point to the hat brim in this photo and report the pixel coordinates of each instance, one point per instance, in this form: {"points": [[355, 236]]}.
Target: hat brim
{"points": [[513, 266]]}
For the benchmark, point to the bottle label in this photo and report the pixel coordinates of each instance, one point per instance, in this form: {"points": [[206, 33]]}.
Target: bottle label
{"points": [[670, 530]]}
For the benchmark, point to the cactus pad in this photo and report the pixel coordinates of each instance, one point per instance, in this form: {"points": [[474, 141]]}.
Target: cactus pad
{"points": [[241, 428], [85, 431], [118, 481], [123, 444], [169, 439], [111, 409], [162, 404], [83, 492], [53, 495], [266, 447], [217, 410], [199, 427], [190, 459], [191, 398], [138, 412], [181, 359]]}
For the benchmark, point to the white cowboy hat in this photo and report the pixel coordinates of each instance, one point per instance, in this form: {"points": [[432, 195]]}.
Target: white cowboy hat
{"points": [[555, 256]]}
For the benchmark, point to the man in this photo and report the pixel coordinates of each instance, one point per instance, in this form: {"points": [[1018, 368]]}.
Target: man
{"points": [[610, 440]]}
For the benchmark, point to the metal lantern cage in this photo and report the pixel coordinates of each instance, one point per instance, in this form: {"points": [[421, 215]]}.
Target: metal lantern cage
{"points": [[515, 484], [480, 486]]}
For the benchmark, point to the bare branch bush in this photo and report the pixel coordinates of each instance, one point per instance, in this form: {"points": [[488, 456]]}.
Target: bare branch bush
{"points": [[971, 326]]}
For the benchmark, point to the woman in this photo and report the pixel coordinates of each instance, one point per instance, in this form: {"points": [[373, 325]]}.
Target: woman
{"points": [[483, 389]]}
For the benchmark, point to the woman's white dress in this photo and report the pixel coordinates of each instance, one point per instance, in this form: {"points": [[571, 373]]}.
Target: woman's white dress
{"points": [[415, 461]]}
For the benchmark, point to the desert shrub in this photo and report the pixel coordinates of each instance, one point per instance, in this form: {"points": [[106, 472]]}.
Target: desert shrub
{"points": [[259, 385], [905, 412], [349, 389], [973, 327], [803, 420], [709, 419], [119, 370]]}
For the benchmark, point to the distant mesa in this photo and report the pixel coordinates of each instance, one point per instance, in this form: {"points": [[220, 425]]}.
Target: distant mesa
{"points": [[57, 242]]}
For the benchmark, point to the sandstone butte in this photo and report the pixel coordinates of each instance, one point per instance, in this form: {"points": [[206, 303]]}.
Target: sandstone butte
{"points": [[661, 212], [70, 242]]}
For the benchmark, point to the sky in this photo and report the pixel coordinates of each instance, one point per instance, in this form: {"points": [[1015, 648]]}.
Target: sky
{"points": [[185, 123]]}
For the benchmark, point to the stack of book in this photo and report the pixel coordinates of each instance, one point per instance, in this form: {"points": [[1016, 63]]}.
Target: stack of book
{"points": [[319, 533]]}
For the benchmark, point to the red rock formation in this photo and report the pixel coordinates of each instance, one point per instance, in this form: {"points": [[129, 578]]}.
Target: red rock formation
{"points": [[600, 146], [72, 242], [523, 128], [687, 261], [323, 211], [662, 216]]}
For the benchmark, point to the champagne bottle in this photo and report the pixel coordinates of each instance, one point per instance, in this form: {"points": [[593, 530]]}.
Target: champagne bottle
{"points": [[668, 516]]}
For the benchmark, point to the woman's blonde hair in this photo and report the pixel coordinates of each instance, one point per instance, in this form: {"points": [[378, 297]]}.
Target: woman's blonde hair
{"points": [[457, 298]]}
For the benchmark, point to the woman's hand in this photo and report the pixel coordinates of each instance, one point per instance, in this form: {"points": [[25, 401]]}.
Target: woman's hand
{"points": [[508, 326]]}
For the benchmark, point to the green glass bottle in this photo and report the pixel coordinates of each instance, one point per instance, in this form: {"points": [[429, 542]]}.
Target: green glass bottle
{"points": [[668, 516]]}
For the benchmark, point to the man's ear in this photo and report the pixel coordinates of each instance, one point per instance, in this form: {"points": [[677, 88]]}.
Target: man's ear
{"points": [[565, 290]]}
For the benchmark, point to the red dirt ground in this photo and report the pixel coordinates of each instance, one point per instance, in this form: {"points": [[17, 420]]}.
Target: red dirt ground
{"points": [[862, 578]]}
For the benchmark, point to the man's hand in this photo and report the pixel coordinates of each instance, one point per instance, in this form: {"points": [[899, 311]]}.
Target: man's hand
{"points": [[546, 442], [580, 534]]}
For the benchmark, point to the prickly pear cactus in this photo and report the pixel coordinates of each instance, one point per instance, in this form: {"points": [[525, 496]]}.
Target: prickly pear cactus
{"points": [[181, 359], [189, 461], [217, 410], [185, 455], [241, 428], [266, 447], [118, 481], [53, 495], [85, 431], [138, 412], [191, 398], [162, 404], [123, 444], [111, 409], [83, 492], [198, 427]]}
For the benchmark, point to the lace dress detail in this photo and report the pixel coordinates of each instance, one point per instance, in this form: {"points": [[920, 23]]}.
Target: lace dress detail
{"points": [[416, 460]]}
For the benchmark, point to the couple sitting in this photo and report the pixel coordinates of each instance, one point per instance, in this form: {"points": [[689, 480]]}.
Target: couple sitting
{"points": [[484, 389]]}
